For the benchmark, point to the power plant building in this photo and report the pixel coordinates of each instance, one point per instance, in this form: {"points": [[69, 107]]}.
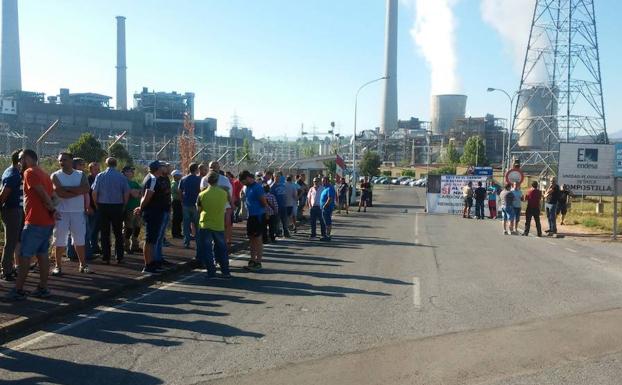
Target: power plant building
{"points": [[445, 109]]}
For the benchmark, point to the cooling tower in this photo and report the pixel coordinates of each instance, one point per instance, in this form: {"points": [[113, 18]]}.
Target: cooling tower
{"points": [[445, 110], [388, 125], [10, 72], [121, 65], [536, 123]]}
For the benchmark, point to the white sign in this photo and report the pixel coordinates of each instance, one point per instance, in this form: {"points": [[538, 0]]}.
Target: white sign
{"points": [[450, 200], [587, 169]]}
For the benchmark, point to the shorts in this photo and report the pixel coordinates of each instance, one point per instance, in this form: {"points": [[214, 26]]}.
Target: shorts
{"points": [[153, 224], [255, 225], [35, 240], [365, 195], [517, 213], [508, 214], [468, 202], [562, 209], [70, 223]]}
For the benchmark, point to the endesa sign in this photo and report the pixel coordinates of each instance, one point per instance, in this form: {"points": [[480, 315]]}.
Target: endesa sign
{"points": [[587, 168]]}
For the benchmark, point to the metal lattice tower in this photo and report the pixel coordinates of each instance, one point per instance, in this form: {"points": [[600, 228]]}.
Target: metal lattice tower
{"points": [[560, 98]]}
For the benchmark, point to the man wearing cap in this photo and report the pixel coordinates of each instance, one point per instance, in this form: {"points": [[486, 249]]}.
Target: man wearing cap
{"points": [[131, 221], [177, 207], [190, 186], [225, 184], [111, 193], [256, 204], [211, 205], [153, 205]]}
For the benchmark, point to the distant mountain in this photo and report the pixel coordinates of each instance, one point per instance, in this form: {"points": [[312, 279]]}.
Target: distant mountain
{"points": [[615, 136]]}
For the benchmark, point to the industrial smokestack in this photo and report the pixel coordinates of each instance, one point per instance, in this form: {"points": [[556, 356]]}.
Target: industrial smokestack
{"points": [[11, 74], [389, 109], [121, 65], [445, 110]]}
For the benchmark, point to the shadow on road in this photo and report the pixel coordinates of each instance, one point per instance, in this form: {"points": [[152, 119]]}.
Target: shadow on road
{"points": [[50, 370]]}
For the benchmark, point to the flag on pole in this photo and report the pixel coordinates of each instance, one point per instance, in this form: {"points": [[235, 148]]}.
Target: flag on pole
{"points": [[341, 166]]}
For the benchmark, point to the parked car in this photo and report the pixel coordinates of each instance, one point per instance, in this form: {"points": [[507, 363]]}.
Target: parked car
{"points": [[406, 181], [398, 180]]}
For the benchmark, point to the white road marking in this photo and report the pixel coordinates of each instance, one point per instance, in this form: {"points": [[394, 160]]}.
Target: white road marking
{"points": [[416, 293], [109, 309], [571, 250], [597, 260], [416, 229], [551, 243]]}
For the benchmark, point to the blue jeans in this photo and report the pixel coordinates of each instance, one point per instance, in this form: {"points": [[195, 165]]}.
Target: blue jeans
{"points": [[551, 215], [92, 232], [157, 254], [479, 208], [191, 215], [213, 244], [315, 215], [284, 219]]}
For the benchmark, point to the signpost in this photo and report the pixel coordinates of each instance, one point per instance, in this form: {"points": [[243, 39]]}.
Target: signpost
{"points": [[514, 175], [617, 174], [587, 169]]}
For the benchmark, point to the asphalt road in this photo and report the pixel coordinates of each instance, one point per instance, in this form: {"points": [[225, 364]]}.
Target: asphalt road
{"points": [[398, 297]]}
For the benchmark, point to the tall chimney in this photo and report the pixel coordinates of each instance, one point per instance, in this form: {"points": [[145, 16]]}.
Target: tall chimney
{"points": [[121, 65], [11, 74], [388, 124]]}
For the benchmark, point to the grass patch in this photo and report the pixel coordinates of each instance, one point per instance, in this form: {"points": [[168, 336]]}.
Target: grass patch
{"points": [[590, 222]]}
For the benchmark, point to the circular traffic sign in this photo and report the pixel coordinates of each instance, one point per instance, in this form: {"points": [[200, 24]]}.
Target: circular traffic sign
{"points": [[514, 175]]}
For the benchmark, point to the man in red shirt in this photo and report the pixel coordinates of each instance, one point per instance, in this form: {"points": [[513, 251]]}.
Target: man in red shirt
{"points": [[533, 198], [38, 225]]}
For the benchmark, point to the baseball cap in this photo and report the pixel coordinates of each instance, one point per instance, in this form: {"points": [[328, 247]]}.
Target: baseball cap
{"points": [[258, 173], [156, 164], [176, 173], [127, 168]]}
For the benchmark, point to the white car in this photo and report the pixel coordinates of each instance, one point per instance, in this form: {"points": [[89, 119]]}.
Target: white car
{"points": [[406, 181]]}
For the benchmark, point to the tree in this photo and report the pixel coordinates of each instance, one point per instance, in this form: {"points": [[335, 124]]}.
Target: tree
{"points": [[452, 156], [245, 149], [120, 152], [474, 152], [309, 151], [447, 170], [331, 166], [88, 148], [370, 164]]}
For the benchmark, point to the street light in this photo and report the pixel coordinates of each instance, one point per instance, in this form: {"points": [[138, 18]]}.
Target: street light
{"points": [[506, 155], [356, 100]]}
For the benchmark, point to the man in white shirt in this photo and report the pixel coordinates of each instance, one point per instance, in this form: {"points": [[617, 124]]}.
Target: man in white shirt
{"points": [[225, 184], [70, 186]]}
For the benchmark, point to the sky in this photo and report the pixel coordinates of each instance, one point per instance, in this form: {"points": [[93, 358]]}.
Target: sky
{"points": [[281, 64]]}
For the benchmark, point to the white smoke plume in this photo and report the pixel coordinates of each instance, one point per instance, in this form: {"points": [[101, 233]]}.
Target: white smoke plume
{"points": [[512, 20], [434, 34]]}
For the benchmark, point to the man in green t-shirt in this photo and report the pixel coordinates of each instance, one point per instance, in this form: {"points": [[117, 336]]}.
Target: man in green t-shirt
{"points": [[211, 206], [132, 222]]}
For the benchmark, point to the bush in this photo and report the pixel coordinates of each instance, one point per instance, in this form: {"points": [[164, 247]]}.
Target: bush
{"points": [[408, 173]]}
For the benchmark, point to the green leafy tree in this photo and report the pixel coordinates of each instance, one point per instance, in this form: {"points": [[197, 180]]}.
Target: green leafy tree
{"points": [[245, 149], [120, 152], [331, 166], [474, 152], [408, 173], [370, 164], [309, 151], [452, 156], [88, 148], [447, 170]]}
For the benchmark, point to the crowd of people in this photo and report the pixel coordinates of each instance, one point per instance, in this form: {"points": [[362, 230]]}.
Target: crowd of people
{"points": [[556, 201], [80, 208]]}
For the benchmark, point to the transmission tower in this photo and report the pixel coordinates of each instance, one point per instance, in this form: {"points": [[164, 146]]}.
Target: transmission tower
{"points": [[560, 98]]}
